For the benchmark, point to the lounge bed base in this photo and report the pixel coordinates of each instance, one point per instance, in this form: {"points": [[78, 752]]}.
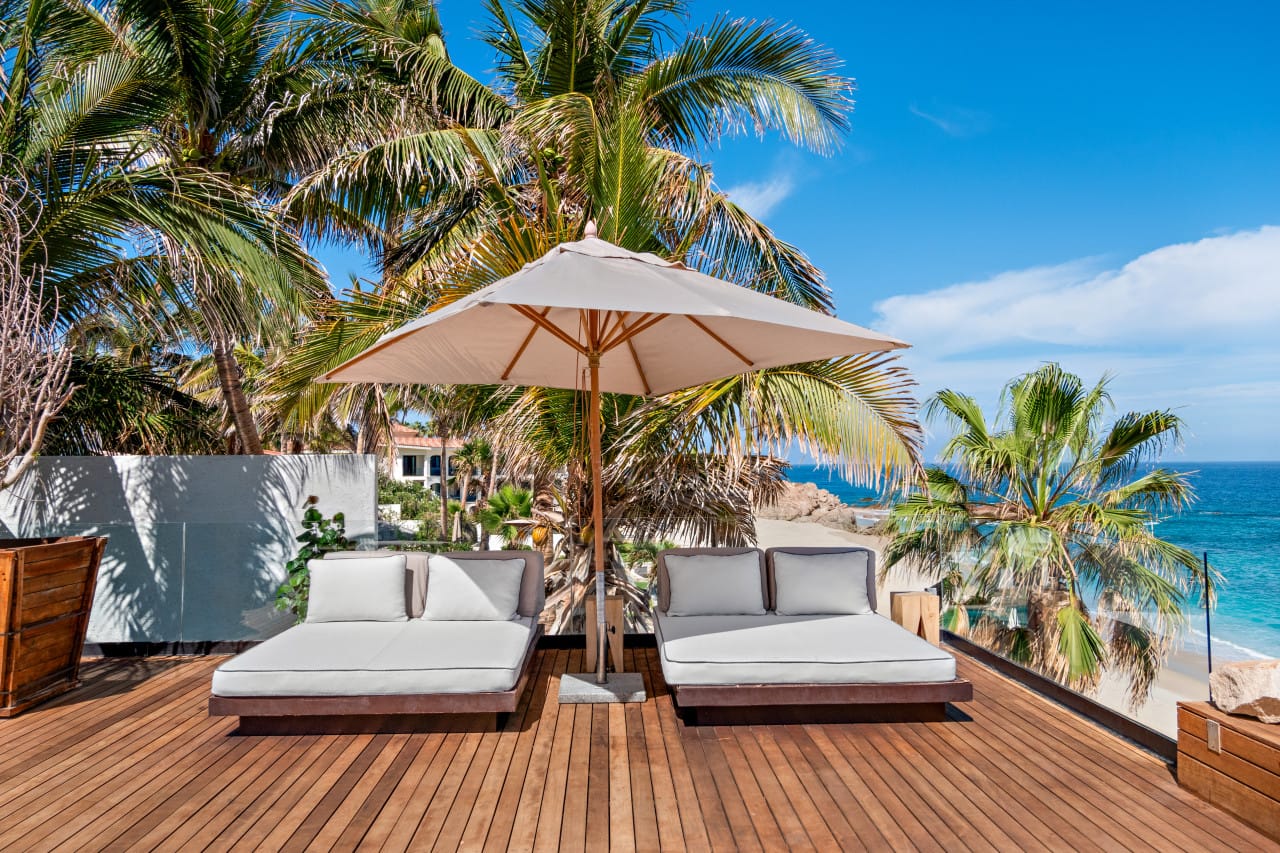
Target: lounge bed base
{"points": [[382, 714], [726, 704]]}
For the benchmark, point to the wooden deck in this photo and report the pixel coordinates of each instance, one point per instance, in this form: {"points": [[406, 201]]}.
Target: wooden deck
{"points": [[131, 761]]}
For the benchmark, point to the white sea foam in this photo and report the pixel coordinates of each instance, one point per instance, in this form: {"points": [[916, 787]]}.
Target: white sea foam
{"points": [[1194, 640]]}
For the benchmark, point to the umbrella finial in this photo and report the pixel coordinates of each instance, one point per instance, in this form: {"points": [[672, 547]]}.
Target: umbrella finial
{"points": [[590, 229]]}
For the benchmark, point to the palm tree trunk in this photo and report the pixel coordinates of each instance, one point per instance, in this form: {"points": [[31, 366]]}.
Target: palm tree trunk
{"points": [[233, 393], [444, 486], [462, 498], [493, 473]]}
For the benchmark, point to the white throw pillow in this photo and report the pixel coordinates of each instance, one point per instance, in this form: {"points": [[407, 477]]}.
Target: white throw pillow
{"points": [[369, 589], [821, 583], [715, 585], [472, 590]]}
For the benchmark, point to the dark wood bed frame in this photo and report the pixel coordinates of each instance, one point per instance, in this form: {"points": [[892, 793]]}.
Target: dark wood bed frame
{"points": [[758, 703], [382, 714]]}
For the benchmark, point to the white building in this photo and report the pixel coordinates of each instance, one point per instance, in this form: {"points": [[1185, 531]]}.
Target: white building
{"points": [[417, 457]]}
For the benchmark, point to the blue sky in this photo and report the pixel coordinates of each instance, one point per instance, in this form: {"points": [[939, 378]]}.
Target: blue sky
{"points": [[1089, 182]]}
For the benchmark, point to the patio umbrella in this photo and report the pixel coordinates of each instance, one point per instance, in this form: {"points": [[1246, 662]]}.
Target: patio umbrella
{"points": [[642, 325]]}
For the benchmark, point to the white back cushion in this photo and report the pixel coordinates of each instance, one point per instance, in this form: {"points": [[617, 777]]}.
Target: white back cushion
{"points": [[715, 584], [368, 589], [472, 590], [821, 583]]}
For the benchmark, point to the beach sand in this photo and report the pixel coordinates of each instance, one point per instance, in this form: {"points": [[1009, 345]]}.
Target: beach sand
{"points": [[1184, 677]]}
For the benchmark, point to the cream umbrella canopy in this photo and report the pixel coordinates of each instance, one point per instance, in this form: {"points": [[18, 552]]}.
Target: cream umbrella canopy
{"points": [[638, 324]]}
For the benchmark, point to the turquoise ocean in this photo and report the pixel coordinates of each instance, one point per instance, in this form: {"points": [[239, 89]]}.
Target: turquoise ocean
{"points": [[1236, 519]]}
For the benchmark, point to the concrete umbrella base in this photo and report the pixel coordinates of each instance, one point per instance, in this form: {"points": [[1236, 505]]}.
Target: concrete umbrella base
{"points": [[580, 688]]}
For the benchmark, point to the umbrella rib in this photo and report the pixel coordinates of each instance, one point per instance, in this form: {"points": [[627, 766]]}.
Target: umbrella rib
{"points": [[644, 380], [721, 341], [550, 327], [645, 322], [619, 323], [523, 346]]}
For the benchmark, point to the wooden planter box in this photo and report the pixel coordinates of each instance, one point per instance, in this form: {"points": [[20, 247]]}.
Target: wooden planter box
{"points": [[46, 591], [1233, 762]]}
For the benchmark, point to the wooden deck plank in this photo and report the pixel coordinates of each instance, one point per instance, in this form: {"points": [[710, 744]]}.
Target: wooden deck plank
{"points": [[506, 770], [597, 777], [394, 830], [131, 760], [673, 832], [1059, 734], [438, 808], [846, 820], [38, 801], [1196, 822], [894, 820], [641, 761], [768, 761]]}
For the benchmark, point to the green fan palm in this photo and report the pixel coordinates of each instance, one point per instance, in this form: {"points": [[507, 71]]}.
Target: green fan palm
{"points": [[1052, 507]]}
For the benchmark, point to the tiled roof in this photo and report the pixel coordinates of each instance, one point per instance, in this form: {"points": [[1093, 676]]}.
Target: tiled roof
{"points": [[404, 436]]}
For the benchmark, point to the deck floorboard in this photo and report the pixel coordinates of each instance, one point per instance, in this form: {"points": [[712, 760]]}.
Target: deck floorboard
{"points": [[131, 761]]}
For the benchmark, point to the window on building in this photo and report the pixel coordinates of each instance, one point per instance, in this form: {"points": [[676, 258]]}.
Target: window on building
{"points": [[435, 465], [411, 466]]}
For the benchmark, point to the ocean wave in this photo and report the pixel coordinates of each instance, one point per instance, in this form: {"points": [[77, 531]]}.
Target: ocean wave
{"points": [[1196, 639]]}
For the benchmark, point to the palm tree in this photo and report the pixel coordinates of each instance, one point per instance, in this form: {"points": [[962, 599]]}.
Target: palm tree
{"points": [[606, 108], [1051, 506], [471, 460], [509, 511], [234, 78], [128, 210], [643, 553]]}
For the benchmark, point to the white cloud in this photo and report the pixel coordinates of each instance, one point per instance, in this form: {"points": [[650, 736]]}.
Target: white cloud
{"points": [[1225, 288], [1194, 327], [955, 121], [760, 198]]}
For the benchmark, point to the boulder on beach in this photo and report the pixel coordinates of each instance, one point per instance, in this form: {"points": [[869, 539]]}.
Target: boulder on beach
{"points": [[1250, 688], [807, 502]]}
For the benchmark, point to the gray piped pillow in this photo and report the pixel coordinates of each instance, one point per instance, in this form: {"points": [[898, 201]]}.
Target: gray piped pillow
{"points": [[715, 585], [821, 584], [472, 590], [369, 589]]}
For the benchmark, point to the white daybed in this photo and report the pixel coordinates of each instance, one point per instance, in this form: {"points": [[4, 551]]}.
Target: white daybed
{"points": [[791, 628], [391, 643]]}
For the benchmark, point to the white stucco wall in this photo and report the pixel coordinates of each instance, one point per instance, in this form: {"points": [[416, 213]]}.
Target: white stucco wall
{"points": [[197, 544]]}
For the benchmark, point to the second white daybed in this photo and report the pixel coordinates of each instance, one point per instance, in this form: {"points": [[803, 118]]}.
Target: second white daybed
{"points": [[796, 627]]}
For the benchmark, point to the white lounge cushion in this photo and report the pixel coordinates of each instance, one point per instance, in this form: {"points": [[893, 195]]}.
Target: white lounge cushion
{"points": [[714, 584], [380, 658], [821, 583], [357, 590], [774, 649], [472, 590]]}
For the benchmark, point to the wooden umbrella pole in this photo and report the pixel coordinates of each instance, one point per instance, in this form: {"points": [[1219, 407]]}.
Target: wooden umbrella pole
{"points": [[597, 513]]}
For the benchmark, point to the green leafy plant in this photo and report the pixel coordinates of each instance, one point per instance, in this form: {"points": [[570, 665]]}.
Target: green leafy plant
{"points": [[319, 536]]}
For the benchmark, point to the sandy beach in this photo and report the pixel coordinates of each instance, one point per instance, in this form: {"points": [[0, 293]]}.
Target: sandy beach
{"points": [[1185, 676]]}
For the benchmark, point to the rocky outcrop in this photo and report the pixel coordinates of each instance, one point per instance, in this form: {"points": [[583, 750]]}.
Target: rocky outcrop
{"points": [[807, 502], [1251, 688]]}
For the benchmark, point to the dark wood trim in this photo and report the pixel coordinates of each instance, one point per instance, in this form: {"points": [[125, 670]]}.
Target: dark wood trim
{"points": [[773, 715], [369, 724], [769, 695], [1112, 720], [181, 648]]}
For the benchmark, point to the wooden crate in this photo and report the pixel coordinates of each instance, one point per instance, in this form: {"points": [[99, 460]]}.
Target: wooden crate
{"points": [[1233, 762], [46, 592]]}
